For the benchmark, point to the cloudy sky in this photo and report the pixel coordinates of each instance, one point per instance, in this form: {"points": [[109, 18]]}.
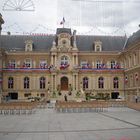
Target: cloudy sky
{"points": [[105, 17]]}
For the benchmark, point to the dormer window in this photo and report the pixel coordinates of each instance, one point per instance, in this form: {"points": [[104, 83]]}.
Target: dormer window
{"points": [[98, 46], [29, 45]]}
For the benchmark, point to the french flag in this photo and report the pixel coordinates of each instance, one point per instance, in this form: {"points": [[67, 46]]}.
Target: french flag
{"points": [[63, 21]]}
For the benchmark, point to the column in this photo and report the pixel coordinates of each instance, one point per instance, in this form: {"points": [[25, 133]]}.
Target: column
{"points": [[55, 61], [74, 82], [51, 83], [93, 82], [54, 82], [73, 60], [76, 79], [52, 60], [76, 59]]}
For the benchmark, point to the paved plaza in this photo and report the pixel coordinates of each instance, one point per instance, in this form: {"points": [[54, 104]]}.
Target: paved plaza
{"points": [[47, 124]]}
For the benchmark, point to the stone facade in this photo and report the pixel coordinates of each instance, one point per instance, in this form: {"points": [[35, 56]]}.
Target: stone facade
{"points": [[65, 69]]}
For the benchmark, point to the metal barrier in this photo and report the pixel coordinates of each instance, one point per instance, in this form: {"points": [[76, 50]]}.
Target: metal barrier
{"points": [[17, 108], [81, 107]]}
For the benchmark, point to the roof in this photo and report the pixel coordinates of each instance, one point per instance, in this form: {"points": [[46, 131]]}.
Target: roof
{"points": [[17, 42], [135, 37], [109, 43], [44, 43], [63, 30]]}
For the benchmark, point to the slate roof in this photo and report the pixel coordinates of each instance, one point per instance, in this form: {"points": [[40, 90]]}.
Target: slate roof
{"points": [[109, 43], [135, 37], [44, 43], [40, 43], [63, 30]]}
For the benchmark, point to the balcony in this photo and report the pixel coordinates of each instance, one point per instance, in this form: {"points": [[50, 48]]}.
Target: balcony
{"points": [[91, 69], [25, 69]]}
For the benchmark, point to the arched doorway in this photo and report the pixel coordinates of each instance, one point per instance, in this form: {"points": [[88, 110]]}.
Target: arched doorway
{"points": [[64, 83]]}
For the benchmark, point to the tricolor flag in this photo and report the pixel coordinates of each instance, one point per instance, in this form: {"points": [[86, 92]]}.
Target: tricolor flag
{"points": [[63, 21]]}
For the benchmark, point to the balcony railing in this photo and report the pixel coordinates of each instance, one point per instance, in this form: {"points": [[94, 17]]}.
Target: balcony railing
{"points": [[24, 69], [52, 68]]}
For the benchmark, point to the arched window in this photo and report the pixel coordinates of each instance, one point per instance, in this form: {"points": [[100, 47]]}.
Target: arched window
{"points": [[85, 82], [116, 82], [10, 82], [135, 56], [101, 82], [136, 77], [42, 82], [64, 60], [26, 82], [130, 59], [113, 64], [98, 48]]}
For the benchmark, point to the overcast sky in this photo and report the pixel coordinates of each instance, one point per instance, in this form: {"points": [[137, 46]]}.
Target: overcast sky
{"points": [[107, 17]]}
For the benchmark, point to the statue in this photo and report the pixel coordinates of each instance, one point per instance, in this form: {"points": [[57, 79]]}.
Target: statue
{"points": [[1, 22]]}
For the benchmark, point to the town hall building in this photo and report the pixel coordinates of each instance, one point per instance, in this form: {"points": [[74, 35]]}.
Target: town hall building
{"points": [[68, 64]]}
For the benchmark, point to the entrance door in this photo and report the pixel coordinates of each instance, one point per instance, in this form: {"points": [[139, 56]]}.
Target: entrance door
{"points": [[64, 83], [114, 95], [13, 96]]}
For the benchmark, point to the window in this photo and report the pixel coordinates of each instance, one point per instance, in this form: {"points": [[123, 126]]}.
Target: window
{"points": [[42, 95], [85, 64], [43, 64], [98, 48], [113, 63], [27, 94], [98, 45], [101, 82], [98, 64], [85, 82], [27, 63], [135, 56], [12, 64], [11, 82], [26, 82], [64, 60], [28, 47], [136, 77], [116, 82], [42, 82]]}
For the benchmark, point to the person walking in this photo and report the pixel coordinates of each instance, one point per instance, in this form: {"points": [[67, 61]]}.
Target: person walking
{"points": [[136, 98], [65, 97]]}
